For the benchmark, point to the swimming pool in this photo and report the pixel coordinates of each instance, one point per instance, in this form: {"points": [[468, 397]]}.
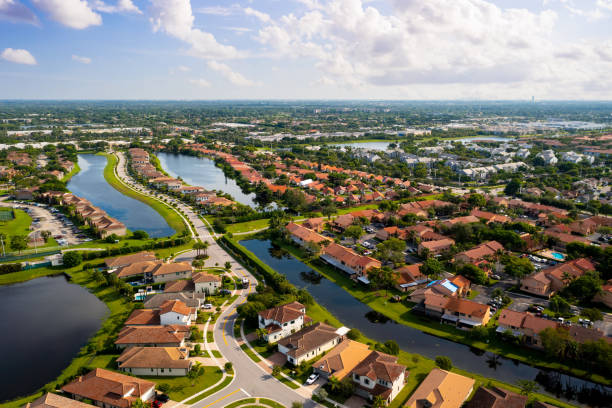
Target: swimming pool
{"points": [[558, 256]]}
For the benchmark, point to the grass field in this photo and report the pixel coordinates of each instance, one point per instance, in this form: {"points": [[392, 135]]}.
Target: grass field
{"points": [[183, 387], [169, 214], [247, 226], [17, 226], [219, 387]]}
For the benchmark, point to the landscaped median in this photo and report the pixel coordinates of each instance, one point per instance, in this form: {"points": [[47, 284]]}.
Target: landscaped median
{"points": [[417, 365], [174, 220]]}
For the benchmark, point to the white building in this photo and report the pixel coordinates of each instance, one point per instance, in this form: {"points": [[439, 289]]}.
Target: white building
{"points": [[175, 312], [279, 322], [548, 156]]}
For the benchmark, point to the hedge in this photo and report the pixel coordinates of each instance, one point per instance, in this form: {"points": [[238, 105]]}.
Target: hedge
{"points": [[88, 255]]}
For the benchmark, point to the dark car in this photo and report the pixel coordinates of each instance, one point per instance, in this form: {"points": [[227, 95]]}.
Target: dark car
{"points": [[162, 398]]}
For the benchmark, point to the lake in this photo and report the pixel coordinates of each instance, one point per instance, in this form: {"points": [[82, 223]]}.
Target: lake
{"points": [[44, 324], [353, 313], [90, 183], [201, 171]]}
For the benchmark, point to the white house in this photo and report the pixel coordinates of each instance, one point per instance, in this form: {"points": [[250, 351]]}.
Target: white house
{"points": [[379, 375], [205, 283], [310, 342], [279, 322], [548, 156], [175, 312]]}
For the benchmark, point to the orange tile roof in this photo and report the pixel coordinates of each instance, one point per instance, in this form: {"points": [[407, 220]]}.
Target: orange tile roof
{"points": [[154, 357], [341, 360], [56, 401], [175, 306], [284, 313], [442, 389]]}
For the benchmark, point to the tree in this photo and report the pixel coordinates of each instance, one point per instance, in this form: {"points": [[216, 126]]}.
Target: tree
{"points": [[353, 231], [559, 305], [432, 268], [329, 209], [382, 278], [228, 265], [477, 200], [140, 404], [19, 242], [379, 402], [391, 250], [444, 362], [517, 267], [72, 259], [45, 235], [473, 273], [391, 347], [420, 170], [200, 246], [585, 287], [353, 334], [139, 234], [528, 387], [592, 314], [276, 370], [513, 187], [197, 349]]}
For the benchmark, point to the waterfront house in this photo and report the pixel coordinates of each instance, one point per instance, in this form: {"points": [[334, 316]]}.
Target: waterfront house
{"points": [[310, 342], [118, 262], [342, 359], [441, 389], [49, 400], [302, 235], [143, 317], [348, 260], [409, 277], [281, 321], [462, 313], [109, 389], [495, 397], [137, 269], [379, 375], [152, 336], [155, 361]]}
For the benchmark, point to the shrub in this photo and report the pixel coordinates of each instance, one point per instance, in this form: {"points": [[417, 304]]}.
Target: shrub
{"points": [[163, 387], [592, 314], [72, 259], [139, 234], [444, 362], [353, 334]]}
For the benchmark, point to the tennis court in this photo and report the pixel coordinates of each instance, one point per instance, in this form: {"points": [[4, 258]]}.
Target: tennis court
{"points": [[6, 214]]}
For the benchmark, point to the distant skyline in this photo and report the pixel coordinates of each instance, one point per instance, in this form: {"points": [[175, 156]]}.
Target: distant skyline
{"points": [[306, 49]]}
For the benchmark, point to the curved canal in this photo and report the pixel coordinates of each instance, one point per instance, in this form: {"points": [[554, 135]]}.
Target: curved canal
{"points": [[353, 313], [90, 183], [201, 171], [44, 324]]}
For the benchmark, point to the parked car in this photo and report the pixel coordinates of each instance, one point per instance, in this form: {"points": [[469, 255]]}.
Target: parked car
{"points": [[207, 306], [496, 277], [162, 398], [313, 377]]}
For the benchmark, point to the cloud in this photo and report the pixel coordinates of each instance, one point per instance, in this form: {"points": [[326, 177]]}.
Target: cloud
{"points": [[258, 14], [605, 4], [215, 10], [183, 68], [82, 60], [75, 14], [227, 73], [122, 6], [200, 82], [18, 56], [14, 11], [175, 18]]}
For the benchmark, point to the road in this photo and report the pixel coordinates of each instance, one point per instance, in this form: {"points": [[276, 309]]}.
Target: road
{"points": [[250, 379]]}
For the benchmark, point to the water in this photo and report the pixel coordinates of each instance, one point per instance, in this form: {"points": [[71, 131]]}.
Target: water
{"points": [[44, 324], [558, 256], [90, 183], [353, 313], [201, 171]]}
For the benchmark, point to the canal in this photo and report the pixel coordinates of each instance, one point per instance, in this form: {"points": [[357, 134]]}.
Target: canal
{"points": [[90, 183], [44, 324], [353, 313], [201, 171]]}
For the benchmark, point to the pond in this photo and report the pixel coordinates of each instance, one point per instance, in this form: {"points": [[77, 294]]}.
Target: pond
{"points": [[90, 183], [353, 313], [44, 324], [201, 171]]}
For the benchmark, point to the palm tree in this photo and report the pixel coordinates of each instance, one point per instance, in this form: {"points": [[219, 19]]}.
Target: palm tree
{"points": [[566, 277], [334, 384]]}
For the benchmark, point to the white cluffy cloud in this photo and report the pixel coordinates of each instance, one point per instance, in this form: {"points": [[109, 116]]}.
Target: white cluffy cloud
{"points": [[13, 10], [18, 56], [75, 14], [437, 48], [175, 18], [200, 82], [227, 73], [122, 6], [82, 60]]}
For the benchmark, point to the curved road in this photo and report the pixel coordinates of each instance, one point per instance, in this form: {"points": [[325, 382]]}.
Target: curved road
{"points": [[250, 379]]}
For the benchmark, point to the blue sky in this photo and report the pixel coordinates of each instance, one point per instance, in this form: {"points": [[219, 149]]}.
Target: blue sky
{"points": [[312, 49]]}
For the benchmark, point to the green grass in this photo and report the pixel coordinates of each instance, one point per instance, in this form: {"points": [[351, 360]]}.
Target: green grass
{"points": [[183, 387], [270, 403], [169, 214], [288, 382], [216, 353], [219, 387], [400, 312], [72, 172], [210, 337], [248, 226], [20, 225], [241, 402], [473, 294], [250, 353]]}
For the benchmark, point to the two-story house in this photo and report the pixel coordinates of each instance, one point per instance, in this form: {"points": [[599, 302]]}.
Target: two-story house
{"points": [[281, 321], [379, 375]]}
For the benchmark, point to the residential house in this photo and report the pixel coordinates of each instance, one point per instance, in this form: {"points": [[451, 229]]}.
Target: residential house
{"points": [[435, 247], [342, 222], [144, 317], [176, 312], [152, 336], [409, 277], [341, 360], [206, 283], [548, 156], [379, 375], [463, 313], [143, 269], [155, 361], [561, 239], [441, 389], [191, 299], [121, 261], [108, 389], [495, 397], [551, 280], [49, 400], [171, 271], [348, 260], [605, 296], [302, 235], [310, 342], [468, 219], [281, 321], [315, 224], [490, 217], [184, 285], [481, 255], [532, 326]]}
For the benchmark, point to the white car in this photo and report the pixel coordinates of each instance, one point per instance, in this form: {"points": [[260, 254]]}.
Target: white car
{"points": [[313, 377], [207, 306]]}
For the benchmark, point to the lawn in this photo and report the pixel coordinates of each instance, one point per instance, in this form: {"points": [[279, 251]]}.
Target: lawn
{"points": [[241, 402], [20, 225], [170, 215], [400, 312], [183, 387], [219, 387], [248, 226], [250, 353]]}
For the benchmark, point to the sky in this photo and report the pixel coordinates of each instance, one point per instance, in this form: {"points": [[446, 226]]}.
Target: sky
{"points": [[306, 49]]}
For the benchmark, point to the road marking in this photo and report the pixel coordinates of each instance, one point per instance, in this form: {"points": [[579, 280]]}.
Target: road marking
{"points": [[248, 395], [222, 398]]}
